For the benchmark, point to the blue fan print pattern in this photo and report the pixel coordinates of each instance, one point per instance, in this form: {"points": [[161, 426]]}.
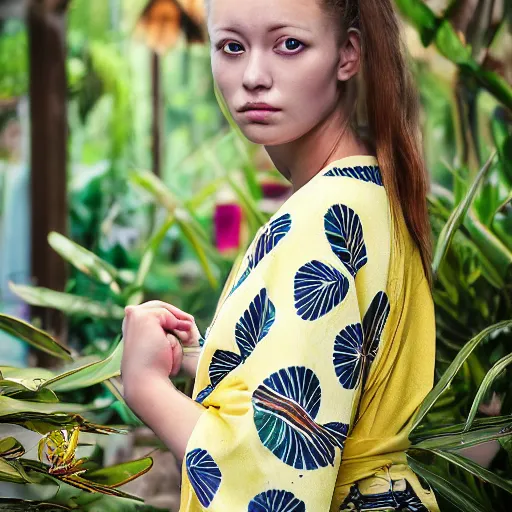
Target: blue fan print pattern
{"points": [[267, 241], [252, 327], [356, 346], [204, 475], [344, 232], [285, 407], [368, 173], [276, 501], [318, 288]]}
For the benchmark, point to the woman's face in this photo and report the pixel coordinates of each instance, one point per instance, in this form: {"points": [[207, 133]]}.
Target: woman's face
{"points": [[282, 53]]}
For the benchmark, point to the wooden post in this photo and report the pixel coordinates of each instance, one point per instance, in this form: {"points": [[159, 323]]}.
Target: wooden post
{"points": [[48, 114], [157, 128]]}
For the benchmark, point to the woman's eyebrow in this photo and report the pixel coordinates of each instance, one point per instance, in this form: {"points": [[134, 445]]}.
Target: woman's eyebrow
{"points": [[272, 28]]}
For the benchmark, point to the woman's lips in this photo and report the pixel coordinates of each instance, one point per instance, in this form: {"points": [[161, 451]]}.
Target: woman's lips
{"points": [[259, 114]]}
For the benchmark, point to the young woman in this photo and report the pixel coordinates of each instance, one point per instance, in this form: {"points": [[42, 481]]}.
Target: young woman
{"points": [[323, 343]]}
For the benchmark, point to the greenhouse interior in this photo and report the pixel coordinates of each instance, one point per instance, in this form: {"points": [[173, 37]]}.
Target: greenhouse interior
{"points": [[124, 179]]}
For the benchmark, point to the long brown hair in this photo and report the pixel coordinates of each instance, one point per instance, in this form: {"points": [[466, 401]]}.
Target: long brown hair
{"points": [[392, 112]]}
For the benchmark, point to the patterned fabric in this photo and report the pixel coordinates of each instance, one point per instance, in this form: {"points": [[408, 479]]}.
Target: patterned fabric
{"points": [[394, 488], [400, 496], [305, 339]]}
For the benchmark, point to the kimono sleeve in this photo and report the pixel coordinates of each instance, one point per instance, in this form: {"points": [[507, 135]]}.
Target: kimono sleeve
{"points": [[282, 399]]}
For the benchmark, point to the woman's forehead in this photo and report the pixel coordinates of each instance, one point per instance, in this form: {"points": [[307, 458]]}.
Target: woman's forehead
{"points": [[244, 15]]}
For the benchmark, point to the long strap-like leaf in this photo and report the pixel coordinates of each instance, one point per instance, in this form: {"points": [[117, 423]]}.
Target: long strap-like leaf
{"points": [[457, 217], [33, 336], [484, 386], [475, 469], [85, 261], [448, 488], [452, 370]]}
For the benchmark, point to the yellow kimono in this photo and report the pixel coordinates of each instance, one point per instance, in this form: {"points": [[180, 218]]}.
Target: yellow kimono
{"points": [[320, 351]]}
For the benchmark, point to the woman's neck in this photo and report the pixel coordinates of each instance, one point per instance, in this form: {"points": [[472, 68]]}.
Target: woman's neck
{"points": [[300, 160]]}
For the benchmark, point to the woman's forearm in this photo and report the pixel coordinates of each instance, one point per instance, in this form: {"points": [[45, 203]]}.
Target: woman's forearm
{"points": [[190, 360], [170, 414]]}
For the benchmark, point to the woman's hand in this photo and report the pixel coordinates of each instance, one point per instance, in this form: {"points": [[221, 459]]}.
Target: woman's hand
{"points": [[151, 354], [150, 348]]}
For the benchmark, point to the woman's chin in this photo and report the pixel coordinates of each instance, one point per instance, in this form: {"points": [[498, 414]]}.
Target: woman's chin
{"points": [[265, 134]]}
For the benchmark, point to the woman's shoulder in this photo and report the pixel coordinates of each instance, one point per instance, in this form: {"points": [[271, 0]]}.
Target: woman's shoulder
{"points": [[350, 187]]}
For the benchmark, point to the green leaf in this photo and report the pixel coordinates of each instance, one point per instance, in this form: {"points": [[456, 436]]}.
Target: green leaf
{"points": [[10, 387], [449, 488], [251, 210], [199, 248], [33, 336], [484, 387], [152, 184], [9, 406], [148, 258], [450, 45], [457, 217], [10, 472], [503, 142], [21, 391], [67, 303], [426, 432], [475, 469], [227, 114], [18, 505], [43, 422], [452, 370], [25, 384], [464, 439], [190, 228], [11, 448], [489, 244], [495, 84], [421, 16], [204, 194], [506, 444], [85, 261], [120, 474], [89, 374], [26, 375], [78, 481], [250, 207]]}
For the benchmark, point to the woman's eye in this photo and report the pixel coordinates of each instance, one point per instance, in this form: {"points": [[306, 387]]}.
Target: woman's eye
{"points": [[291, 45], [232, 48]]}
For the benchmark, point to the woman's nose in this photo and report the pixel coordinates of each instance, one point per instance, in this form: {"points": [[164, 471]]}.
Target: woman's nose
{"points": [[256, 73]]}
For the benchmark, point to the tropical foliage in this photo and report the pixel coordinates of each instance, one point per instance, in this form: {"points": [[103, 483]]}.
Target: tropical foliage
{"points": [[466, 128], [41, 431], [135, 237]]}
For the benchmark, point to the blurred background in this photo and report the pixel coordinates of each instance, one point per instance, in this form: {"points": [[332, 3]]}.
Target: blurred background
{"points": [[122, 180]]}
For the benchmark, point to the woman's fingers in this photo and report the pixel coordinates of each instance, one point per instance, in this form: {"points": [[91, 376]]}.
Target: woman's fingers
{"points": [[182, 315], [169, 321], [177, 354], [189, 337]]}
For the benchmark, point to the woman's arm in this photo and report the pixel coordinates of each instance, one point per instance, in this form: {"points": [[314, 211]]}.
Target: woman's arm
{"points": [[190, 360], [151, 355], [170, 414]]}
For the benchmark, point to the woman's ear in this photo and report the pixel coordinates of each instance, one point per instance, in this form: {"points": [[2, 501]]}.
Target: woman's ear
{"points": [[350, 55]]}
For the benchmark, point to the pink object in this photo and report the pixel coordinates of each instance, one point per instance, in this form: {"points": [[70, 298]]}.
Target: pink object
{"points": [[228, 221], [275, 190]]}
